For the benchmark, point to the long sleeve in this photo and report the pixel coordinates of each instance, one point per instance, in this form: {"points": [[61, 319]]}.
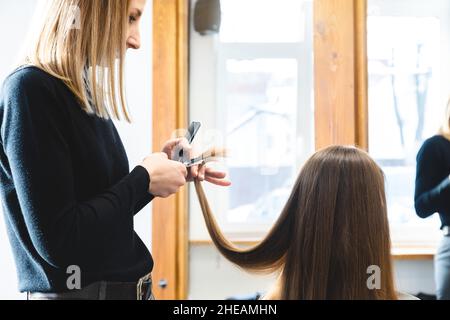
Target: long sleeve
{"points": [[143, 202], [432, 192], [62, 228]]}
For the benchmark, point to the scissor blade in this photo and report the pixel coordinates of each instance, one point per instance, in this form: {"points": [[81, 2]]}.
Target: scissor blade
{"points": [[191, 164], [192, 131]]}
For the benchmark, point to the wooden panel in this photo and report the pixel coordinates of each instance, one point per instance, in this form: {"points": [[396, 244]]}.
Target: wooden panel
{"points": [[340, 71], [361, 76], [170, 60], [182, 225]]}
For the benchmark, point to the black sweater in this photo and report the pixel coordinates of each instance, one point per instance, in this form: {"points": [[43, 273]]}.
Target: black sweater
{"points": [[67, 193], [432, 179]]}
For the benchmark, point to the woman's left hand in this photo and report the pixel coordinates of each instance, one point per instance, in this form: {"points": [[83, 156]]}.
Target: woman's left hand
{"points": [[200, 172], [203, 173]]}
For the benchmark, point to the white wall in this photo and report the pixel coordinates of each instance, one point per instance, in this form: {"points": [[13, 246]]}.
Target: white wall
{"points": [[137, 136], [15, 17], [14, 21], [213, 277]]}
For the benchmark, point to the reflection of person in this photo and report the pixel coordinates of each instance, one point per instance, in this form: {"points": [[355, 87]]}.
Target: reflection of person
{"points": [[433, 195], [331, 236], [68, 195]]}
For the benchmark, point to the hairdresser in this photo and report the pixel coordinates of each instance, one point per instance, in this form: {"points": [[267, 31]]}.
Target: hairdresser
{"points": [[67, 191], [433, 195]]}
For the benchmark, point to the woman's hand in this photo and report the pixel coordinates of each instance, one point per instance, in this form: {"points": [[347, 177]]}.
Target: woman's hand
{"points": [[166, 176], [203, 173], [199, 172]]}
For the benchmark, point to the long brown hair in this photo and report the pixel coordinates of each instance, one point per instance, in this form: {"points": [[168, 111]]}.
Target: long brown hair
{"points": [[332, 228], [82, 42]]}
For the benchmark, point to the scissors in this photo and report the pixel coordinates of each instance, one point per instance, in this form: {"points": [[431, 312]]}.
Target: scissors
{"points": [[211, 155], [180, 154], [208, 156]]}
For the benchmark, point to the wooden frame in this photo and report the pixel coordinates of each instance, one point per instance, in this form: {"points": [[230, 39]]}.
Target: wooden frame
{"points": [[340, 72], [170, 100]]}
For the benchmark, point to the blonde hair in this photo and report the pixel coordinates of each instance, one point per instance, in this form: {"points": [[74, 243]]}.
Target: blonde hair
{"points": [[445, 129], [82, 42]]}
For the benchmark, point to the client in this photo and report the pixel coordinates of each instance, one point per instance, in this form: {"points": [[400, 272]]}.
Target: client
{"points": [[331, 234]]}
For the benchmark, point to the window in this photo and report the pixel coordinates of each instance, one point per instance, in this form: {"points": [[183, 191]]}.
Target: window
{"points": [[263, 21], [408, 41], [261, 93]]}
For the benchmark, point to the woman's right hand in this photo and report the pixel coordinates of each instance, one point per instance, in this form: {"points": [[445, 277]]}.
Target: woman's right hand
{"points": [[166, 176]]}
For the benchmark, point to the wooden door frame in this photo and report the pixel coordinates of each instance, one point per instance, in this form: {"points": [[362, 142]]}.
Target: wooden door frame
{"points": [[340, 73], [170, 113]]}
